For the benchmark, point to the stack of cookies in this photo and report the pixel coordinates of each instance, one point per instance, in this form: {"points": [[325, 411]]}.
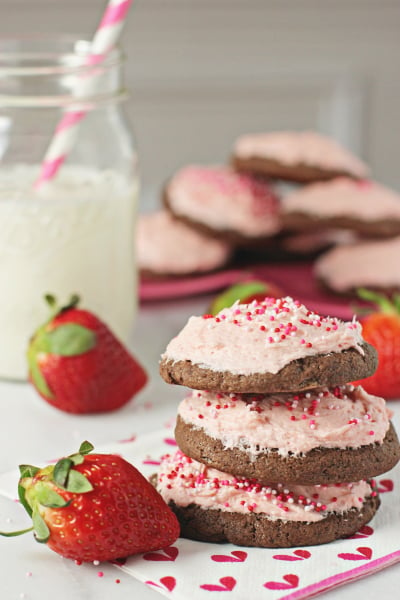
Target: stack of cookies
{"points": [[276, 448], [334, 195]]}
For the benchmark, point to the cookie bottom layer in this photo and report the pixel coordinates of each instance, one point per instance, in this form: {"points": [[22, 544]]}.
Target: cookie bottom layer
{"points": [[305, 222], [320, 465], [299, 173], [210, 525], [335, 368]]}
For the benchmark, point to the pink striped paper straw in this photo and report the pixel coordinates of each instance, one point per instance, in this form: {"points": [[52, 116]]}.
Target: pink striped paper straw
{"points": [[66, 132]]}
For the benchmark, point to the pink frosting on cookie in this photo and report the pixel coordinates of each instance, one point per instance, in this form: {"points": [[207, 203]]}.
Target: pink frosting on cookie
{"points": [[165, 245], [300, 147], [340, 417], [342, 197], [261, 337], [186, 481], [368, 264], [224, 200]]}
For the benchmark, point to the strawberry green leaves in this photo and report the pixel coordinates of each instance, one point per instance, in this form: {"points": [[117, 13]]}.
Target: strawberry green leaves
{"points": [[390, 306], [69, 479], [70, 339], [36, 489], [42, 532]]}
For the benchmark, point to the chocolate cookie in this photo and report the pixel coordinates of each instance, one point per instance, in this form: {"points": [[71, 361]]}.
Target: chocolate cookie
{"points": [[295, 156], [312, 467], [218, 202], [277, 345], [299, 375], [365, 207], [251, 529], [165, 247], [216, 507], [370, 264]]}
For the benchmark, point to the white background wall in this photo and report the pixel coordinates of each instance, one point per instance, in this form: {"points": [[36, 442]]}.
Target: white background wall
{"points": [[203, 71]]}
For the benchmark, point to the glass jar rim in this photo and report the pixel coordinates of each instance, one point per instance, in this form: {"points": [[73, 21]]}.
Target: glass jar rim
{"points": [[43, 70], [39, 54]]}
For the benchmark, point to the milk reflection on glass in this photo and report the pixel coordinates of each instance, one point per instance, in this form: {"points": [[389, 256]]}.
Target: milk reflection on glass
{"points": [[76, 235]]}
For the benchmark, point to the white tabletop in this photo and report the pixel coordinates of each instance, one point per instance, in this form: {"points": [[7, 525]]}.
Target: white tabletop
{"points": [[32, 431]]}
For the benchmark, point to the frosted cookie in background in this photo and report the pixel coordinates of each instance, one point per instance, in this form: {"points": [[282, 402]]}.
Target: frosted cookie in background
{"points": [[217, 201], [167, 247], [365, 207], [373, 264], [299, 156]]}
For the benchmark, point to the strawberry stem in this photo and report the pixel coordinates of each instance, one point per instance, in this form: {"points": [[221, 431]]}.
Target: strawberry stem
{"points": [[385, 305], [15, 533]]}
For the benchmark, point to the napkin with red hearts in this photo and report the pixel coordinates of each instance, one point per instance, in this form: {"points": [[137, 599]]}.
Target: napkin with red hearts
{"points": [[198, 570]]}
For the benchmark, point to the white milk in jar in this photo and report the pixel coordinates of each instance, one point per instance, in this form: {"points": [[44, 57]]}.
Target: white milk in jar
{"points": [[75, 235]]}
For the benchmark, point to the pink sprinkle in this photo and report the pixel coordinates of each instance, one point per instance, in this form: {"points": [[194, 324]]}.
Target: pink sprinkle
{"points": [[117, 581], [302, 341], [100, 574], [371, 432], [29, 574], [226, 504]]}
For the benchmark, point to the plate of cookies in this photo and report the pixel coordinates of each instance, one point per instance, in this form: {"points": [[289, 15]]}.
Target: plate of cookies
{"points": [[294, 207]]}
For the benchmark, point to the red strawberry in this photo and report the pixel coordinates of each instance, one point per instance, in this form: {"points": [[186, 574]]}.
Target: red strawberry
{"points": [[245, 292], [79, 366], [95, 507], [382, 330]]}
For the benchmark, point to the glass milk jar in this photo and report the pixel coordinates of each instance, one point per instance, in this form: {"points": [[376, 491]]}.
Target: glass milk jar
{"points": [[74, 233]]}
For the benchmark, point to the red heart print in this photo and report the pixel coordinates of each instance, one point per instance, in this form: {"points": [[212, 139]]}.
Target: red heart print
{"points": [[237, 556], [170, 554], [385, 485], [363, 554], [170, 441], [168, 583], [298, 555], [292, 582], [364, 532], [227, 585]]}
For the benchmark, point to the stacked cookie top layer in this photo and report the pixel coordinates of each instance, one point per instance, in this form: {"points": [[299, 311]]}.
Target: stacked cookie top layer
{"points": [[277, 345], [272, 428]]}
